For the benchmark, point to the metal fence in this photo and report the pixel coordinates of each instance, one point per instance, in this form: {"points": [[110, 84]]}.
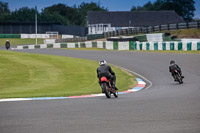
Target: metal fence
{"points": [[29, 28], [151, 29]]}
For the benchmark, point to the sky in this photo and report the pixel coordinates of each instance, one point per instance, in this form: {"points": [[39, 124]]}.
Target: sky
{"points": [[112, 5]]}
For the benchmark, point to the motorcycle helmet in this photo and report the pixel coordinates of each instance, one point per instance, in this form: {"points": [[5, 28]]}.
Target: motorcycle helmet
{"points": [[172, 62], [102, 62]]}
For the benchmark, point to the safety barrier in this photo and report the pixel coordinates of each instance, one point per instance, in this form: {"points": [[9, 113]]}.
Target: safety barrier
{"points": [[129, 45], [10, 35]]}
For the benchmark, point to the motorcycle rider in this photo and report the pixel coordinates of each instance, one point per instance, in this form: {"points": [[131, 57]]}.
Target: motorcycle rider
{"points": [[7, 44], [105, 70], [173, 66]]}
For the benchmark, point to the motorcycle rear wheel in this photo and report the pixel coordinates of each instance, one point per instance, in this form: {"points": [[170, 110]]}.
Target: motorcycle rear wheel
{"points": [[106, 91], [179, 78]]}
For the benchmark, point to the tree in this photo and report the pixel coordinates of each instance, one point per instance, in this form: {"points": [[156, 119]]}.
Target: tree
{"points": [[4, 7], [59, 13], [85, 7], [146, 7], [4, 11], [23, 14], [53, 17], [70, 14], [184, 8]]}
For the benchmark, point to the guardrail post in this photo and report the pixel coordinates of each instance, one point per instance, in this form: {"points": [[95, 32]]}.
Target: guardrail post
{"points": [[186, 25], [198, 24], [177, 26]]}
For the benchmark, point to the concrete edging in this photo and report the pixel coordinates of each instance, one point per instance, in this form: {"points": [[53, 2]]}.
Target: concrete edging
{"points": [[141, 84], [128, 45]]}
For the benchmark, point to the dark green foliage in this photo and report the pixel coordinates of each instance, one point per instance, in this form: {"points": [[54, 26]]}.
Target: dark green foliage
{"points": [[184, 8], [23, 14], [57, 13], [62, 13], [85, 7], [4, 11]]}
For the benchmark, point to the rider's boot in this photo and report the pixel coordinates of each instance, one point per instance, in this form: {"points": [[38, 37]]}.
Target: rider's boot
{"points": [[114, 87]]}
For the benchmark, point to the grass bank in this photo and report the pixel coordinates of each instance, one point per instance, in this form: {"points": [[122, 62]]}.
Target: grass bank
{"points": [[35, 75], [186, 33], [19, 41]]}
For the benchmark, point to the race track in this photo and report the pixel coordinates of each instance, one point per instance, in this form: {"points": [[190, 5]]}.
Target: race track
{"points": [[165, 107]]}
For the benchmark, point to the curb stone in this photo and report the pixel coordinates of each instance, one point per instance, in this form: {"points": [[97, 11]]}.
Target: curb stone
{"points": [[141, 84]]}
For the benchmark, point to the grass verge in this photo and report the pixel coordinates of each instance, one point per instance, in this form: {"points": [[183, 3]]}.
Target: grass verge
{"points": [[19, 41], [35, 75], [186, 33]]}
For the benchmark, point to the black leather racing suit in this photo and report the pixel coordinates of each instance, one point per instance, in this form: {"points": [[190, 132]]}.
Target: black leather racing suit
{"points": [[7, 44], [105, 70]]}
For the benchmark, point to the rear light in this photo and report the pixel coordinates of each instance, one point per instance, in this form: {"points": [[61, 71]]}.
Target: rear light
{"points": [[103, 79]]}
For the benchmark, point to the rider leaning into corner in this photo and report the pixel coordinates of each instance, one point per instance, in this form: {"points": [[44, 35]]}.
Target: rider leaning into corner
{"points": [[7, 44], [105, 70], [173, 66]]}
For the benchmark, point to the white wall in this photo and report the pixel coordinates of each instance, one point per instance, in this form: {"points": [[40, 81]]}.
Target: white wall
{"points": [[34, 36], [109, 45], [123, 45]]}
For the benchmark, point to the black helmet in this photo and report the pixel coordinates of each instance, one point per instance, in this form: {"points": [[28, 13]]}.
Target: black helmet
{"points": [[172, 62]]}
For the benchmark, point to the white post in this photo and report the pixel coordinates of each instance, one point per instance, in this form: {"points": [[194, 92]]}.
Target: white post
{"points": [[35, 25]]}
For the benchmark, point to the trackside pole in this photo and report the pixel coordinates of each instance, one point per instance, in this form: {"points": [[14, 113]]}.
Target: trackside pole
{"points": [[35, 25]]}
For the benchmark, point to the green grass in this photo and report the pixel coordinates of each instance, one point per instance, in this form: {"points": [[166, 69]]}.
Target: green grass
{"points": [[18, 41], [186, 33], [35, 75]]}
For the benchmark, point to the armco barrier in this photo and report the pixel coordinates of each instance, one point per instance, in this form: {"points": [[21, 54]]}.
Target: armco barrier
{"points": [[129, 45]]}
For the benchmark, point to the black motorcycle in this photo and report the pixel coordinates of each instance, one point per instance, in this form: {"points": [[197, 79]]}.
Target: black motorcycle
{"points": [[107, 87], [178, 77]]}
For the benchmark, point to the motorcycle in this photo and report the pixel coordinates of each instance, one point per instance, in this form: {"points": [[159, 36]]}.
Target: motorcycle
{"points": [[178, 77], [107, 87]]}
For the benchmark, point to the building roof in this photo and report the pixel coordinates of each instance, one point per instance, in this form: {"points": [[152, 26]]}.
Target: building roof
{"points": [[133, 18]]}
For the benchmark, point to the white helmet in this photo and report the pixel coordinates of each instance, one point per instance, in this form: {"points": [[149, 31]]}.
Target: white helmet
{"points": [[102, 62]]}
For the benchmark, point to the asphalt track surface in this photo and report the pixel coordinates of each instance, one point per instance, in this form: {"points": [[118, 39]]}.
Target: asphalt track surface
{"points": [[165, 107]]}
